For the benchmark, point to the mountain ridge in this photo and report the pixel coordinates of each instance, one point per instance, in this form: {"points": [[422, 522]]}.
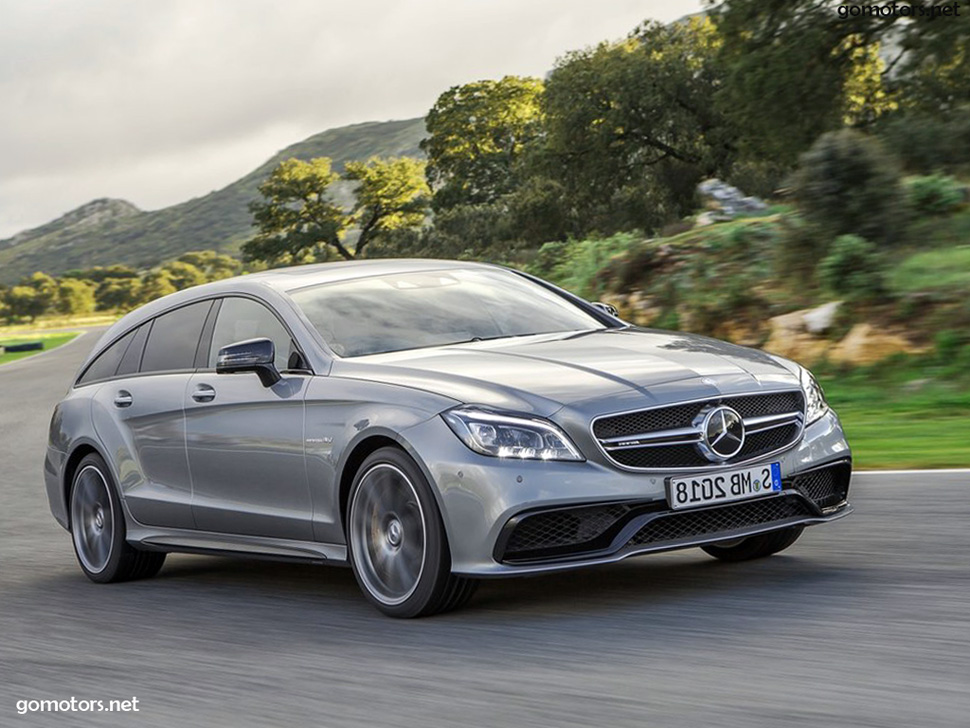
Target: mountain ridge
{"points": [[106, 231]]}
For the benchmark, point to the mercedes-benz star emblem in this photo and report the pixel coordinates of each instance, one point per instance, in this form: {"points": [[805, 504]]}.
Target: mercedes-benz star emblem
{"points": [[722, 434]]}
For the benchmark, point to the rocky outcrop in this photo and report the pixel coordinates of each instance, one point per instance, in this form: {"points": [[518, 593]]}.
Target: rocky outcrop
{"points": [[725, 202], [789, 337], [865, 344], [800, 336]]}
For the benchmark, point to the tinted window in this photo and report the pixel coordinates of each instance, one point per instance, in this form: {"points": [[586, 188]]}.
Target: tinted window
{"points": [[173, 339], [132, 358], [241, 319], [435, 308], [107, 361]]}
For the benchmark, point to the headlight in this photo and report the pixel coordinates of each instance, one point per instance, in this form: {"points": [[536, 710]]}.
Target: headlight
{"points": [[510, 436], [815, 404]]}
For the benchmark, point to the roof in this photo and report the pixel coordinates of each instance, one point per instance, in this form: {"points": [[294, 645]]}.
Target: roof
{"points": [[301, 276]]}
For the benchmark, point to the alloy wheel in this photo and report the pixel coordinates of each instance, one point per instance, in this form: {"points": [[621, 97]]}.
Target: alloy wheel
{"points": [[92, 519], [388, 533]]}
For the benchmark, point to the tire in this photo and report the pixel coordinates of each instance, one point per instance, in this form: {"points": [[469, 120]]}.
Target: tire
{"points": [[756, 547], [98, 528], [396, 541]]}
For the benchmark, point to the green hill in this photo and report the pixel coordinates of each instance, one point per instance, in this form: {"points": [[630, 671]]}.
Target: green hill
{"points": [[114, 231]]}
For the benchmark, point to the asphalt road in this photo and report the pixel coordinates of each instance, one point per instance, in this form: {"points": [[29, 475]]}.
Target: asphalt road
{"points": [[865, 622]]}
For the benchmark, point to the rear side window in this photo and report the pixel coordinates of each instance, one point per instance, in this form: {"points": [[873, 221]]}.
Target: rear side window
{"points": [[173, 339], [106, 364]]}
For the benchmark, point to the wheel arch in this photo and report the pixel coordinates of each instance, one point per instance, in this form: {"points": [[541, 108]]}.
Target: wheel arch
{"points": [[359, 451], [80, 451]]}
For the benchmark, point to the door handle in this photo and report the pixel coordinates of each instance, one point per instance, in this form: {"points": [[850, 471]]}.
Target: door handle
{"points": [[123, 399], [204, 393]]}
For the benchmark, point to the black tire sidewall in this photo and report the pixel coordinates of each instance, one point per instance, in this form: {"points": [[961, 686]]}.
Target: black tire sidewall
{"points": [[437, 559]]}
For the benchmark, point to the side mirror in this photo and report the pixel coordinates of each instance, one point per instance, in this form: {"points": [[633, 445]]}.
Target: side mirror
{"points": [[607, 308], [253, 355]]}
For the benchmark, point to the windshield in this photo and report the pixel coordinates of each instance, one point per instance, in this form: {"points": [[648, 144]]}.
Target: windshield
{"points": [[434, 308]]}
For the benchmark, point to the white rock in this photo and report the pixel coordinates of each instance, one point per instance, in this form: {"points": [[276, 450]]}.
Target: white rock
{"points": [[819, 320]]}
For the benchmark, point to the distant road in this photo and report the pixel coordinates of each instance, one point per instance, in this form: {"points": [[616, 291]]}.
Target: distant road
{"points": [[865, 622]]}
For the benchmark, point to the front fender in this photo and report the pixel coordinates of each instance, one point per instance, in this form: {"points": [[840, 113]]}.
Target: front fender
{"points": [[340, 416]]}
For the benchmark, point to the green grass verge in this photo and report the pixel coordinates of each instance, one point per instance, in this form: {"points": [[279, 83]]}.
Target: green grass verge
{"points": [[945, 268], [907, 413], [51, 341]]}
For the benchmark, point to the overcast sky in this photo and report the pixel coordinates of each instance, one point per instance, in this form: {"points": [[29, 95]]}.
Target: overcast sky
{"points": [[157, 102]]}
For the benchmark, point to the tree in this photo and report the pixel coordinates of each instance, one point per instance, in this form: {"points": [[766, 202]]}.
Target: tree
{"points": [[298, 220], [155, 284], [25, 301], [42, 283], [391, 194], [935, 75], [119, 294], [296, 213], [98, 273], [34, 296], [215, 266], [75, 296], [794, 69], [632, 126], [476, 134], [183, 275], [865, 94]]}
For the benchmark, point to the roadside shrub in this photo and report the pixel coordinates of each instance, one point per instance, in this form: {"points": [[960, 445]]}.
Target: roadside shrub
{"points": [[800, 247], [853, 269], [580, 266], [634, 268], [928, 142], [935, 194], [549, 257], [847, 184]]}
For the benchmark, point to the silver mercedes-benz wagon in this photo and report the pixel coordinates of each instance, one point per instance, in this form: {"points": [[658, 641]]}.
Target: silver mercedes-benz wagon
{"points": [[430, 423]]}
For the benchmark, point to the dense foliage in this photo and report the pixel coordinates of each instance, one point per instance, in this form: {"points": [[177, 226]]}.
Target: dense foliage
{"points": [[848, 184]]}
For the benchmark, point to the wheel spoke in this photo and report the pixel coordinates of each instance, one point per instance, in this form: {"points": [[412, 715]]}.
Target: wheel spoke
{"points": [[92, 522], [387, 534]]}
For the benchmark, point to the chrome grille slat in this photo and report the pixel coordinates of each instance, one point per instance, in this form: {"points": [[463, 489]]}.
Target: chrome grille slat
{"points": [[665, 437], [687, 433]]}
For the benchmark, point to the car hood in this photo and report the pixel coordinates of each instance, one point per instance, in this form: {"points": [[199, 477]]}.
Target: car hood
{"points": [[594, 372]]}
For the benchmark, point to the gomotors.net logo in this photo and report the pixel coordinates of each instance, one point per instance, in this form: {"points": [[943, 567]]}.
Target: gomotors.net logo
{"points": [[915, 10], [77, 705]]}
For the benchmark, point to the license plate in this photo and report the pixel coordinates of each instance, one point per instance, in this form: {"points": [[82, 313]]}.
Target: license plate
{"points": [[690, 491]]}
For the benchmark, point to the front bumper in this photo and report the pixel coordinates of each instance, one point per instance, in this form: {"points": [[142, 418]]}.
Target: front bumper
{"points": [[484, 501]]}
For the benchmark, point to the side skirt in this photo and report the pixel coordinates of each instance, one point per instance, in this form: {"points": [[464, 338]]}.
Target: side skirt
{"points": [[206, 542]]}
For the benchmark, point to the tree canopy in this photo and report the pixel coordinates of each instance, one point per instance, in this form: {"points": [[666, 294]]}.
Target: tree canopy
{"points": [[298, 219], [477, 132], [628, 119]]}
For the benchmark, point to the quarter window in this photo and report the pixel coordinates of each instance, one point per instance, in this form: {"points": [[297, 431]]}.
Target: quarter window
{"points": [[106, 363], [132, 358], [173, 339]]}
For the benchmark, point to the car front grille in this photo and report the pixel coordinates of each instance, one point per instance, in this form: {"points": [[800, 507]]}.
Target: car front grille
{"points": [[712, 521], [666, 437]]}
